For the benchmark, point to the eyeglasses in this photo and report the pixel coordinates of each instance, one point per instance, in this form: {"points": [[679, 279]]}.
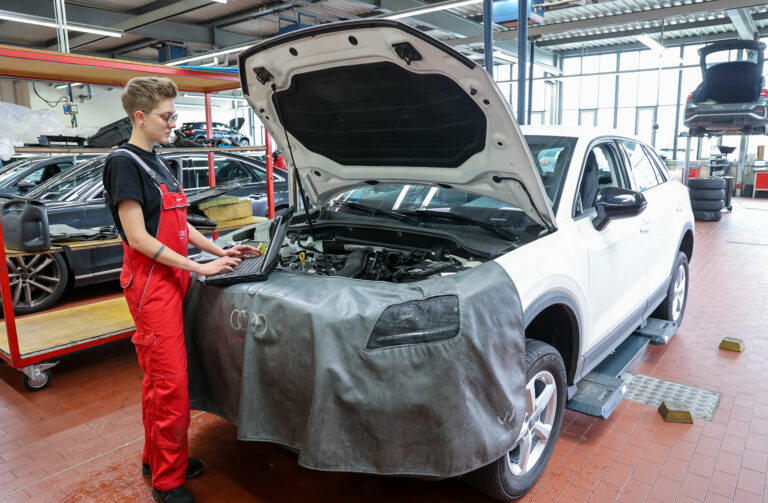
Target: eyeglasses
{"points": [[169, 117]]}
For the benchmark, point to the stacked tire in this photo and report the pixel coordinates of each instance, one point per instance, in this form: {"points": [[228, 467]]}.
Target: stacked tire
{"points": [[707, 198]]}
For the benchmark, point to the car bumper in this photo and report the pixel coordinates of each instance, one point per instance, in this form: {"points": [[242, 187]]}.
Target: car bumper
{"points": [[726, 116], [288, 361]]}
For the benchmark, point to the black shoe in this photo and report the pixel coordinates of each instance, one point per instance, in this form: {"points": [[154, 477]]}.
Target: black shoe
{"points": [[175, 495], [194, 468]]}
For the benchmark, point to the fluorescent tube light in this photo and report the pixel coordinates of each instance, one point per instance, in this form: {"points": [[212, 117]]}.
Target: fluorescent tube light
{"points": [[505, 57], [41, 21], [209, 55], [452, 4], [227, 98], [659, 49], [63, 86]]}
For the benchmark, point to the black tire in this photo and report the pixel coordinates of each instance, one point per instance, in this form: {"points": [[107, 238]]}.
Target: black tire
{"points": [[707, 183], [707, 194], [496, 479], [708, 205], [707, 216], [40, 384], [243, 142], [673, 306], [46, 280]]}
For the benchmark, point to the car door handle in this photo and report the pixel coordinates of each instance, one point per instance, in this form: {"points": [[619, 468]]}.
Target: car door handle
{"points": [[679, 208], [644, 226]]}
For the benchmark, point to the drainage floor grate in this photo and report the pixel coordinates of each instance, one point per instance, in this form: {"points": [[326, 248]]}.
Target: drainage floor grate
{"points": [[649, 391], [747, 243]]}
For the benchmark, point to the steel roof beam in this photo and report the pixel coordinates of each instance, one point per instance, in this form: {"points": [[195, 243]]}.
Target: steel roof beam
{"points": [[743, 22], [447, 22], [618, 19]]}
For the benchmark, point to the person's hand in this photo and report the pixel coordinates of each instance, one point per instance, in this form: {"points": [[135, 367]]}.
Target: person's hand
{"points": [[224, 264], [241, 251]]}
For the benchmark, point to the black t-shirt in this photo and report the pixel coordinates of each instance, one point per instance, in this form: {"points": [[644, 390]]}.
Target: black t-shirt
{"points": [[125, 179]]}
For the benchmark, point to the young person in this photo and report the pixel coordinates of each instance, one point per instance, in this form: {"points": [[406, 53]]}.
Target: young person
{"points": [[149, 209]]}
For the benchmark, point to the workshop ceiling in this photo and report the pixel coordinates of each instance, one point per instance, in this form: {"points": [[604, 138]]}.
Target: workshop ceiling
{"points": [[204, 26]]}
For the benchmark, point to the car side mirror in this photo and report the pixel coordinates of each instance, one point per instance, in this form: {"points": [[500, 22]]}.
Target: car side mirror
{"points": [[615, 202], [26, 185]]}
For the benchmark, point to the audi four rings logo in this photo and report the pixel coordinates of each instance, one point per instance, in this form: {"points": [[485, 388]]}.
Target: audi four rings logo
{"points": [[239, 320]]}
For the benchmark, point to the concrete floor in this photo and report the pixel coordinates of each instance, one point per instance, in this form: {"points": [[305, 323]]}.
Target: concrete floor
{"points": [[80, 440]]}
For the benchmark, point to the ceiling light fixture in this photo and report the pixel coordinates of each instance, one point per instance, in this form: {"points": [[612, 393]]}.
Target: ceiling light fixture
{"points": [[659, 49], [63, 86], [42, 21], [228, 98], [451, 4], [209, 55]]}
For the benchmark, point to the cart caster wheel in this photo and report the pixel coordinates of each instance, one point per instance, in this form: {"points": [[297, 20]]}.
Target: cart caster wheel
{"points": [[40, 383]]}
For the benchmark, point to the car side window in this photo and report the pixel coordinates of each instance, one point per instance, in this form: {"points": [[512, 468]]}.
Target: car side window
{"points": [[640, 166], [661, 167], [36, 176], [195, 173], [601, 169], [229, 170]]}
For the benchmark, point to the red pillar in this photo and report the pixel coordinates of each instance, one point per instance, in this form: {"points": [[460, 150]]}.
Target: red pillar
{"points": [[270, 178], [209, 134]]}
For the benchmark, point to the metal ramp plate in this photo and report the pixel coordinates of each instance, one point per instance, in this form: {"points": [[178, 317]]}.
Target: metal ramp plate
{"points": [[615, 363], [600, 392], [660, 331], [598, 395]]}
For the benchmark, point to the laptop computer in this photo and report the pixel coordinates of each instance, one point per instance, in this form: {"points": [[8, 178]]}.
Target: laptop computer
{"points": [[257, 268]]}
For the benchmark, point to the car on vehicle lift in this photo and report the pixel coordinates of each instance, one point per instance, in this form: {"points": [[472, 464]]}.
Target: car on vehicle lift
{"points": [[231, 132], [431, 201], [76, 198], [732, 97]]}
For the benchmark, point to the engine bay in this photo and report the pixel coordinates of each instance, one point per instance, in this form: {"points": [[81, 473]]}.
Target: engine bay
{"points": [[302, 254]]}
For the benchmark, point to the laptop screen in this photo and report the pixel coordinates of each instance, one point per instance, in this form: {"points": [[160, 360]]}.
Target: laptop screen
{"points": [[282, 222]]}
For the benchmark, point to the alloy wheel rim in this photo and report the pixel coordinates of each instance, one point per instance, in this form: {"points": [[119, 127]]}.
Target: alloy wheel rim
{"points": [[678, 298], [540, 412], [33, 279]]}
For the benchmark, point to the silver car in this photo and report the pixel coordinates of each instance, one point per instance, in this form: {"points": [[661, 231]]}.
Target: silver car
{"points": [[732, 97]]}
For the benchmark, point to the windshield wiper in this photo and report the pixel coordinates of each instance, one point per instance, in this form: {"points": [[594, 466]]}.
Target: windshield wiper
{"points": [[377, 211], [463, 218]]}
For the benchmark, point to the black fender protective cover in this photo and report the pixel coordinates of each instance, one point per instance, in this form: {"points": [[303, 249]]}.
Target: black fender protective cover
{"points": [[286, 361]]}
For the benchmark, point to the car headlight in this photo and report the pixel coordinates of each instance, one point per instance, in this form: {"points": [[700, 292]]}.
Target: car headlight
{"points": [[417, 322]]}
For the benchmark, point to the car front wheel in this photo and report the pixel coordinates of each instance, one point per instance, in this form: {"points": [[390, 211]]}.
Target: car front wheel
{"points": [[515, 473], [244, 142]]}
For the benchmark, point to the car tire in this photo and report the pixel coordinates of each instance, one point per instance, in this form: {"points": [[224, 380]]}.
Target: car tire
{"points": [[707, 216], [673, 306], [707, 183], [707, 195], [707, 205], [243, 142], [505, 479], [45, 283]]}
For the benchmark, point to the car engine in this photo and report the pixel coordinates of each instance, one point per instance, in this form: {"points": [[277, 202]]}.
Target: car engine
{"points": [[376, 263]]}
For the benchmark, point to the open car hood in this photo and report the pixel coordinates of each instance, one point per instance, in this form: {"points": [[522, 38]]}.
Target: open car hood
{"points": [[367, 102]]}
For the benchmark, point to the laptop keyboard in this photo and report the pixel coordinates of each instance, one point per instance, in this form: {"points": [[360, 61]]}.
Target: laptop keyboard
{"points": [[246, 266]]}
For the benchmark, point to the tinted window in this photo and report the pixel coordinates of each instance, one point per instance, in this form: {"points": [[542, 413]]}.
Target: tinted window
{"points": [[640, 166], [195, 176]]}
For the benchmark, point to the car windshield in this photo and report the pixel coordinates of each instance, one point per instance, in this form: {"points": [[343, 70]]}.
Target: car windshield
{"points": [[58, 187], [731, 56], [14, 169], [552, 155]]}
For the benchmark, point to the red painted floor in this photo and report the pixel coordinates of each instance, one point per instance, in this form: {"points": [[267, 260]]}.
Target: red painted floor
{"points": [[80, 440]]}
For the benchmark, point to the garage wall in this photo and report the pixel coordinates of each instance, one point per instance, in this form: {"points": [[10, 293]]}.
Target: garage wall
{"points": [[105, 107], [14, 91]]}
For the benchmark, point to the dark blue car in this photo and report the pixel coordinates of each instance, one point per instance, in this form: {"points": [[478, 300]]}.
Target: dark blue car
{"points": [[76, 198], [197, 130]]}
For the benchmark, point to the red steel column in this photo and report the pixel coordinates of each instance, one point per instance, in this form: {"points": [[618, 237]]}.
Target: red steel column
{"points": [[10, 320], [209, 134], [270, 178]]}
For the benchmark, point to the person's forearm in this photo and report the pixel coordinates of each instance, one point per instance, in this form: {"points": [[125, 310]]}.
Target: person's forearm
{"points": [[203, 243], [154, 249]]}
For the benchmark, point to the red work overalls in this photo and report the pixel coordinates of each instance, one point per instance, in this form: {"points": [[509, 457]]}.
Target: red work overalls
{"points": [[155, 293]]}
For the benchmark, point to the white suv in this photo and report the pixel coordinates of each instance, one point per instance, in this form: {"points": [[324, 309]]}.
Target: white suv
{"points": [[454, 275]]}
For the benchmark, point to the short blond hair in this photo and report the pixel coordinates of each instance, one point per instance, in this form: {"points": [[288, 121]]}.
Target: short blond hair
{"points": [[143, 93]]}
